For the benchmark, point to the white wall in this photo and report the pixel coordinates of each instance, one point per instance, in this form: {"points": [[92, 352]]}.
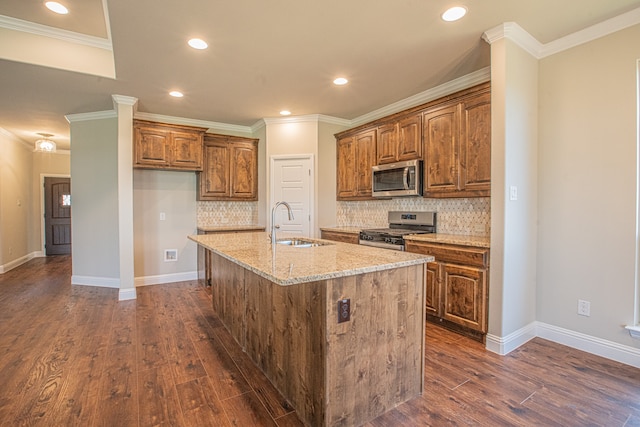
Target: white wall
{"points": [[326, 173], [587, 184]]}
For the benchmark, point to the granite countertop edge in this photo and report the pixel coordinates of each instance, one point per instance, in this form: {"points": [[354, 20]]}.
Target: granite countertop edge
{"points": [[288, 257]]}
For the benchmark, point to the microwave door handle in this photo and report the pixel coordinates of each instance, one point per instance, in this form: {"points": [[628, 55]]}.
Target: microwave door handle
{"points": [[405, 178]]}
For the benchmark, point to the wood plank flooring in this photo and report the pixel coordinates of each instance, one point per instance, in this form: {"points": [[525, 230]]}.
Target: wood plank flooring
{"points": [[75, 356]]}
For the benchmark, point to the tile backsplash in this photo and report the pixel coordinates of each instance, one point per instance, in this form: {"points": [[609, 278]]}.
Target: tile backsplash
{"points": [[468, 216], [225, 213]]}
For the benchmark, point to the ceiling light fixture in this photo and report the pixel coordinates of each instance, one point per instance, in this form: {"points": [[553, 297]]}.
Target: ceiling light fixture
{"points": [[285, 113], [176, 94], [198, 44], [454, 13], [56, 7], [340, 81], [45, 144]]}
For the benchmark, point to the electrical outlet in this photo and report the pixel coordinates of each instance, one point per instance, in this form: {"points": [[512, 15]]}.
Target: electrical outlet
{"points": [[513, 192], [170, 255], [163, 216], [584, 308], [344, 310]]}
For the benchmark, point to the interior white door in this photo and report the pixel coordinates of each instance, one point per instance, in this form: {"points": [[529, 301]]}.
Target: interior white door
{"points": [[292, 183]]}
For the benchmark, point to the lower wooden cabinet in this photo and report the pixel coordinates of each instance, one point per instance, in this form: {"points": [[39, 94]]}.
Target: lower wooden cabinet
{"points": [[457, 286], [340, 236]]}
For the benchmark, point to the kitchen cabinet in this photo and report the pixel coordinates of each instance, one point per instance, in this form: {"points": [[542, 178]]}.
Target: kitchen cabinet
{"points": [[457, 286], [356, 154], [230, 168], [340, 236], [166, 146], [400, 140], [457, 147]]}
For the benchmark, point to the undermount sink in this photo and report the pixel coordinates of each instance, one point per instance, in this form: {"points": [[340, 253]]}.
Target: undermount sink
{"points": [[300, 243]]}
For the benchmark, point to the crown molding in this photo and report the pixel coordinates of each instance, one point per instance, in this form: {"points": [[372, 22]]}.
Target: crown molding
{"points": [[192, 122], [307, 118], [594, 32], [464, 82], [125, 100], [515, 33], [97, 115], [55, 33]]}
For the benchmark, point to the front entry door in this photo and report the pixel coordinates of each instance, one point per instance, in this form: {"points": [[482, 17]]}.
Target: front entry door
{"points": [[57, 216], [291, 179]]}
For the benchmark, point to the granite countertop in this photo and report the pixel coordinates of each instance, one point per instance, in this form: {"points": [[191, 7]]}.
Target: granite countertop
{"points": [[452, 239], [288, 265], [343, 229], [222, 228]]}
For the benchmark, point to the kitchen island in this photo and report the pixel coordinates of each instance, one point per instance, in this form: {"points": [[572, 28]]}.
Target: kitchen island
{"points": [[281, 305]]}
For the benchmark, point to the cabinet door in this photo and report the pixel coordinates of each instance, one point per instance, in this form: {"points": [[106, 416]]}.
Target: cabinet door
{"points": [[475, 144], [433, 289], [186, 151], [244, 171], [387, 143], [151, 147], [440, 133], [410, 138], [346, 165], [214, 181], [365, 160], [465, 296]]}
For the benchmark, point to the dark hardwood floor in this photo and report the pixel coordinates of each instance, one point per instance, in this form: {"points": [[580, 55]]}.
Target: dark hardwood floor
{"points": [[75, 356]]}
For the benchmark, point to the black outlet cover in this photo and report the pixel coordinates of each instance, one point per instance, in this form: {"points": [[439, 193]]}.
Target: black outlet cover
{"points": [[344, 310]]}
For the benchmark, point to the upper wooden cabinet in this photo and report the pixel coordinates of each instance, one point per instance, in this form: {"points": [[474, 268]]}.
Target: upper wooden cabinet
{"points": [[400, 140], [356, 154], [166, 146], [457, 148], [230, 168]]}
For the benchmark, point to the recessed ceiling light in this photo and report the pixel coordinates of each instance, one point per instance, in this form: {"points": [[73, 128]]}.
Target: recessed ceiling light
{"points": [[340, 81], [454, 13], [56, 7], [176, 94], [198, 44], [285, 113]]}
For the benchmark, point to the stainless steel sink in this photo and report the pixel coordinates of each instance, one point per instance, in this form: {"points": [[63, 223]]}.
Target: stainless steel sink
{"points": [[300, 243]]}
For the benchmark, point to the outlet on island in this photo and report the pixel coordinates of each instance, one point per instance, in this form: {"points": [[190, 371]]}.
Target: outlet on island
{"points": [[344, 310]]}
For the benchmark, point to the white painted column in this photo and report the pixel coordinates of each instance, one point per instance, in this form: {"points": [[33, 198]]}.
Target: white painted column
{"points": [[125, 107]]}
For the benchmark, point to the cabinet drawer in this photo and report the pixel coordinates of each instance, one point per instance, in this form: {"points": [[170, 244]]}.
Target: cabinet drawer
{"points": [[477, 257]]}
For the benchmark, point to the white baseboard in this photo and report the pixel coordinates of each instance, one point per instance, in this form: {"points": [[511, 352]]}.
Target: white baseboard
{"points": [[127, 294], [166, 278], [103, 282], [604, 348], [505, 345], [19, 261]]}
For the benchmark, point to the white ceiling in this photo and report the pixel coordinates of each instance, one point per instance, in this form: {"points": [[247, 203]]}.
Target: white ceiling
{"points": [[263, 56]]}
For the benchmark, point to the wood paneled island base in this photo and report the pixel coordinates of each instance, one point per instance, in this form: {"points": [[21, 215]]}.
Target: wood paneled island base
{"points": [[332, 373]]}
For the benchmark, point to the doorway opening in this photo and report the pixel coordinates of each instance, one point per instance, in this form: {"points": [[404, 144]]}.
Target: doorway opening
{"points": [[56, 227]]}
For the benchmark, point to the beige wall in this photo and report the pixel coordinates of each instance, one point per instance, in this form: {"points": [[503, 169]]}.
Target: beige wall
{"points": [[45, 164], [94, 194], [16, 236], [587, 185], [174, 194], [326, 173]]}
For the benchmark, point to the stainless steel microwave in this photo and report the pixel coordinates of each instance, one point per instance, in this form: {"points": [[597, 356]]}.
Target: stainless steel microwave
{"points": [[398, 179]]}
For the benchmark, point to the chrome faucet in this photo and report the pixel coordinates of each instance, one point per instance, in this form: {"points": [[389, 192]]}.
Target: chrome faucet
{"points": [[273, 219]]}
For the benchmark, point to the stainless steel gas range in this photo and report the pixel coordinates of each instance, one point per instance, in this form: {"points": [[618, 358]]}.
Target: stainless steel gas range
{"points": [[400, 224]]}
